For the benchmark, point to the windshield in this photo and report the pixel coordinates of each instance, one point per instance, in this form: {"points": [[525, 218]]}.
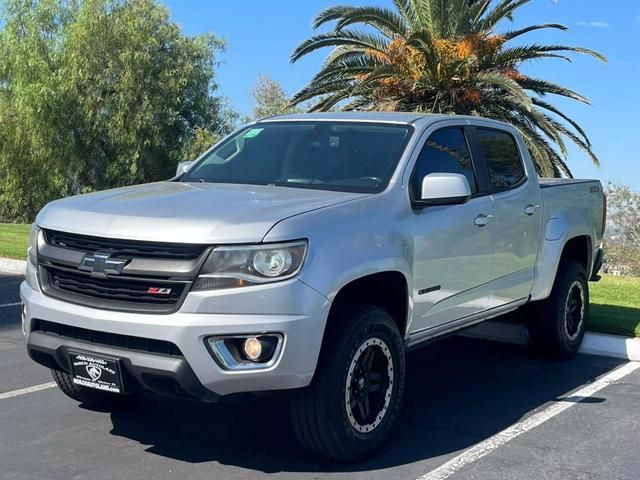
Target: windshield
{"points": [[344, 156]]}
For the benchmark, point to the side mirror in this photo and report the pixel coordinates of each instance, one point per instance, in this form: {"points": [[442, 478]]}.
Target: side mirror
{"points": [[444, 189], [183, 167]]}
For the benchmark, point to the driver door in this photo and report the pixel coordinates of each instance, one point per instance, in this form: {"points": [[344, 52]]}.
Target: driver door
{"points": [[452, 244]]}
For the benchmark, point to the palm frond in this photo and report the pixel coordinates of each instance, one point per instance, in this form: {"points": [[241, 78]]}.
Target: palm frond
{"points": [[581, 144], [383, 19], [510, 35], [358, 103], [408, 12], [329, 102], [424, 11], [330, 14], [313, 90], [504, 9], [341, 37], [558, 164], [537, 147], [452, 14], [543, 87], [534, 118], [499, 80], [547, 106], [349, 67], [514, 55], [478, 9], [380, 72]]}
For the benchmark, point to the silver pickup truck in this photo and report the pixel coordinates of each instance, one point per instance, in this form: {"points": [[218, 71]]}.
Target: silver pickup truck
{"points": [[304, 255]]}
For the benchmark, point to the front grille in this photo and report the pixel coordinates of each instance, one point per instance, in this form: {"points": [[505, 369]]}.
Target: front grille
{"points": [[107, 339], [115, 288], [132, 248], [155, 278]]}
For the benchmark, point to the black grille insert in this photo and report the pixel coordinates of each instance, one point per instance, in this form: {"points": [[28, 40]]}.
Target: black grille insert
{"points": [[106, 339], [128, 291], [133, 248]]}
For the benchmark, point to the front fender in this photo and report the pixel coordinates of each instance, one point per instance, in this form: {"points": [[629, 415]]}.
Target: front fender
{"points": [[349, 241]]}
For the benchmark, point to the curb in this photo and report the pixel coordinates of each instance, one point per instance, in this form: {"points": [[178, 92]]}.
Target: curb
{"points": [[611, 346], [593, 344], [9, 265]]}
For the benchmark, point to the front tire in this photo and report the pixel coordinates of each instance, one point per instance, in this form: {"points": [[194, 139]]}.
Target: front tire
{"points": [[90, 397], [354, 399], [559, 322]]}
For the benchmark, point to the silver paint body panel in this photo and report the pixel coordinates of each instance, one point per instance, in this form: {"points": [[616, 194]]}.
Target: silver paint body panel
{"points": [[481, 271]]}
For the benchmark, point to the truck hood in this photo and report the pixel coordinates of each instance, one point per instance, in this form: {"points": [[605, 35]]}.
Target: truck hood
{"points": [[185, 212]]}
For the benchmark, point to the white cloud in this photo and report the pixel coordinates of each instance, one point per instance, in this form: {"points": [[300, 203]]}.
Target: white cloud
{"points": [[594, 24]]}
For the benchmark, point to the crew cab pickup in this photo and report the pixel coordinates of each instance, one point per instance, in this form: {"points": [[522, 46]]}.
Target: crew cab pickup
{"points": [[305, 254]]}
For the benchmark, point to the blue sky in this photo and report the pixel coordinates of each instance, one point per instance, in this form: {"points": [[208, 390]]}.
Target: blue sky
{"points": [[261, 35]]}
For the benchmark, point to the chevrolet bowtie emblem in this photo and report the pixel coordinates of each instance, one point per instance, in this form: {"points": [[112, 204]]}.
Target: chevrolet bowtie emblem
{"points": [[100, 264]]}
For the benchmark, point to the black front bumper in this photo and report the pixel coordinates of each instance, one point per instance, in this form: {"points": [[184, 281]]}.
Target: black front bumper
{"points": [[162, 374]]}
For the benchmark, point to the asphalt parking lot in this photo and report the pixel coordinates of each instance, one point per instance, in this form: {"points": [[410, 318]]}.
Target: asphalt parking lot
{"points": [[461, 394]]}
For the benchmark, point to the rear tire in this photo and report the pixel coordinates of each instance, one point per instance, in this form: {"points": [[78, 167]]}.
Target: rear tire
{"points": [[90, 397], [558, 324], [354, 399]]}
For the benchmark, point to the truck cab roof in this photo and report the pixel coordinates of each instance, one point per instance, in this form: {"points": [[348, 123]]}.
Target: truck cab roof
{"points": [[405, 118]]}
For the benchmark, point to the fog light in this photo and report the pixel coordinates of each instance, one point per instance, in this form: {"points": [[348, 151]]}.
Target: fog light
{"points": [[246, 352], [252, 348]]}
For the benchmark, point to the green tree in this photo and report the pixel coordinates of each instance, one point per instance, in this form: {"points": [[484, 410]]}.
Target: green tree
{"points": [[201, 141], [269, 98], [445, 57], [96, 94], [624, 213]]}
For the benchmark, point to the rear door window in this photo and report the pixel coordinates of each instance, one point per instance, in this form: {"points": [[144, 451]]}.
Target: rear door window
{"points": [[503, 159]]}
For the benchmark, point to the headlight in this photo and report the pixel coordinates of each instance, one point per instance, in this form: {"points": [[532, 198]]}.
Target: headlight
{"points": [[242, 265], [32, 246]]}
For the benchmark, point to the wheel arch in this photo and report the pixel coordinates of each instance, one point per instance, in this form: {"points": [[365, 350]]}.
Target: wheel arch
{"points": [[388, 290], [578, 248], [575, 247]]}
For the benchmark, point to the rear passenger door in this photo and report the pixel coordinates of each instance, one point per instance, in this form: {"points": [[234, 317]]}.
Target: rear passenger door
{"points": [[517, 217]]}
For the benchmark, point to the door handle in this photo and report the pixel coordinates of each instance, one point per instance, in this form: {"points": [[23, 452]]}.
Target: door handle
{"points": [[531, 209], [482, 219]]}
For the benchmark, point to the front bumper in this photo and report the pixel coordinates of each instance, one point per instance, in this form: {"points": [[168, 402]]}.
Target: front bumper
{"points": [[289, 308], [142, 371]]}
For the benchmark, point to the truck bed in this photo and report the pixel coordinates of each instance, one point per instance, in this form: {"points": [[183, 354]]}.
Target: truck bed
{"points": [[570, 208], [572, 204], [557, 182]]}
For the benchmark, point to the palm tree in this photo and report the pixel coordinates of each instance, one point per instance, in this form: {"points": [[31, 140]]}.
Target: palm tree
{"points": [[445, 56]]}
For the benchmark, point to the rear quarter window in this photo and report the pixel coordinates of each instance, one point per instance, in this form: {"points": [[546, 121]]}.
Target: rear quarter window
{"points": [[501, 153]]}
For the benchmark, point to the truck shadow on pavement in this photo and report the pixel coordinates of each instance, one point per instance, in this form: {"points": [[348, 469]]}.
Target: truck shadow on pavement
{"points": [[459, 391]]}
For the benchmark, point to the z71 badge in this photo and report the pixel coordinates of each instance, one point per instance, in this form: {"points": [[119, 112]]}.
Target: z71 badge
{"points": [[158, 291]]}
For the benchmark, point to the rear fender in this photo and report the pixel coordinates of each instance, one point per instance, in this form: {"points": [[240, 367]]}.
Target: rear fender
{"points": [[557, 232]]}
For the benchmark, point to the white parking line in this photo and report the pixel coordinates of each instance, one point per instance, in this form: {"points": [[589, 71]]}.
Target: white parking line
{"points": [[22, 391], [499, 439], [10, 304]]}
